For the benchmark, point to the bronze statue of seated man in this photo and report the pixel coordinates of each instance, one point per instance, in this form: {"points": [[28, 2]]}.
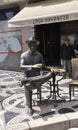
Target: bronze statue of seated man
{"points": [[32, 62]]}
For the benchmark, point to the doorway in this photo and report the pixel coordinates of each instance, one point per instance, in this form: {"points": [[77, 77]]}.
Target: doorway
{"points": [[49, 37]]}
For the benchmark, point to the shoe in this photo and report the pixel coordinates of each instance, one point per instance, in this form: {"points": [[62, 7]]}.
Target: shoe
{"points": [[64, 77], [29, 112], [70, 77], [20, 83]]}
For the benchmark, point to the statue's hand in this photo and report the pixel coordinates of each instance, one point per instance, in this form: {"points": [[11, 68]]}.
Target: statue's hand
{"points": [[37, 66]]}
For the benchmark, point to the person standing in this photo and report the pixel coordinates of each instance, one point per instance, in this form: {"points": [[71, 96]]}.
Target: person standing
{"points": [[76, 50], [67, 53], [28, 59]]}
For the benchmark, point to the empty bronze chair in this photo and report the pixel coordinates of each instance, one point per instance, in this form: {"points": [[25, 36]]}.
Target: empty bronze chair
{"points": [[74, 82]]}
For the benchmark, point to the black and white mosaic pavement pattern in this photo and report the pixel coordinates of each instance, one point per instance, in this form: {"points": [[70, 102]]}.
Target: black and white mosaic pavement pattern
{"points": [[12, 100]]}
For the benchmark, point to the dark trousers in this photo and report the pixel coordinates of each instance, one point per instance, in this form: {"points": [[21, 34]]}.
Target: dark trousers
{"points": [[68, 67], [28, 95]]}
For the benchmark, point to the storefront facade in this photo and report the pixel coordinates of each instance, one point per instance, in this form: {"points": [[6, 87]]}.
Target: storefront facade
{"points": [[52, 21]]}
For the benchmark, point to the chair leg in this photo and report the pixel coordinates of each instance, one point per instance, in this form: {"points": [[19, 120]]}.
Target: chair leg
{"points": [[73, 90], [70, 91], [39, 94]]}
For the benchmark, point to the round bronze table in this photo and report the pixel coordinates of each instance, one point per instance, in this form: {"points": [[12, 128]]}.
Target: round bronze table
{"points": [[54, 90]]}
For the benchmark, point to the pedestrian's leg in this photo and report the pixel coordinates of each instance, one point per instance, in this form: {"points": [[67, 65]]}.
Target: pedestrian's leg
{"points": [[65, 67], [69, 69]]}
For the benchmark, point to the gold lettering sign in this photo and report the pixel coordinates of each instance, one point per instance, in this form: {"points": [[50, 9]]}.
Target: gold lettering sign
{"points": [[58, 18], [51, 19]]}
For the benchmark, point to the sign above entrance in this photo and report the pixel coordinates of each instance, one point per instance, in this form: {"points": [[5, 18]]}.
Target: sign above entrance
{"points": [[56, 18], [43, 13]]}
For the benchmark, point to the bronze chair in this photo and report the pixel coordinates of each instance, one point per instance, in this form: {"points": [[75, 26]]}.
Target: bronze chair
{"points": [[74, 82]]}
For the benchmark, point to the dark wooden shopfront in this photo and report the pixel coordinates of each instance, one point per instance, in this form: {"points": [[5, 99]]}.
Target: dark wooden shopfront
{"points": [[50, 35]]}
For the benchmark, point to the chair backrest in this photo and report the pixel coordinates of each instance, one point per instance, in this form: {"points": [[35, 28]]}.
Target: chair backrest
{"points": [[75, 68]]}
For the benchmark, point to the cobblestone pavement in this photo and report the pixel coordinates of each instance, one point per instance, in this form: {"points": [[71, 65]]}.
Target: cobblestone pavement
{"points": [[12, 100]]}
